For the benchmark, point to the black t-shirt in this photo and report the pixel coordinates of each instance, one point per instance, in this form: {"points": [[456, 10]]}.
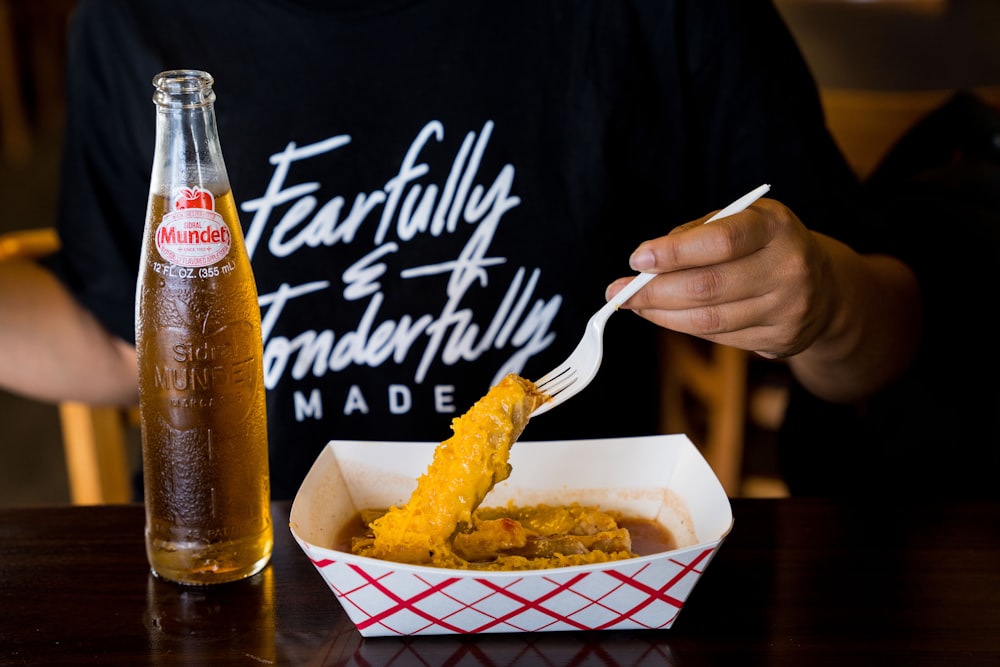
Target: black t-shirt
{"points": [[436, 193]]}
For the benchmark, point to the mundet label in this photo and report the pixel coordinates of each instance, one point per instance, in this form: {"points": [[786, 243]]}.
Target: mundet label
{"points": [[192, 233]]}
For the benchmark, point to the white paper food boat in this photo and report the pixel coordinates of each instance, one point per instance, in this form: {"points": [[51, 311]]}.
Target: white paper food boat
{"points": [[658, 477]]}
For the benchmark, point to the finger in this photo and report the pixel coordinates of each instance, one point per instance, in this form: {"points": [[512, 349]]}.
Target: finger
{"points": [[717, 284], [734, 324], [697, 244]]}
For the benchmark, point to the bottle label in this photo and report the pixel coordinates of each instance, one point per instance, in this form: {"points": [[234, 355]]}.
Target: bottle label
{"points": [[192, 233]]}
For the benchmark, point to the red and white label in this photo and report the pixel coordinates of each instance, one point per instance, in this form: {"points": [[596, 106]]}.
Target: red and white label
{"points": [[193, 234]]}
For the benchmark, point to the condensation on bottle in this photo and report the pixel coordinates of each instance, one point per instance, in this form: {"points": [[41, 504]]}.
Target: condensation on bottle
{"points": [[198, 338]]}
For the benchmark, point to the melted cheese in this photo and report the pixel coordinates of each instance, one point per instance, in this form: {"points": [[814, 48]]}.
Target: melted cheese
{"points": [[464, 469]]}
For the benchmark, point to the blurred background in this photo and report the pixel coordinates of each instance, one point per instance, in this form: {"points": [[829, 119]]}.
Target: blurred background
{"points": [[32, 55], [881, 65]]}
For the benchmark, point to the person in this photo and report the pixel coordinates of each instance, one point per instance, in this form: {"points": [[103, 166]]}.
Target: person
{"points": [[436, 193], [931, 432]]}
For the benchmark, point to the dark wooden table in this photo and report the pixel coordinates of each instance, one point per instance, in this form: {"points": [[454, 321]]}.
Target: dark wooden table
{"points": [[797, 582]]}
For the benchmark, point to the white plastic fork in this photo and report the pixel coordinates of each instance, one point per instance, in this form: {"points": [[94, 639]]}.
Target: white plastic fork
{"points": [[571, 376]]}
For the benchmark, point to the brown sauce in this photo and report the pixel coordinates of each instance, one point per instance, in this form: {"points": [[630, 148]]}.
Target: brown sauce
{"points": [[648, 536]]}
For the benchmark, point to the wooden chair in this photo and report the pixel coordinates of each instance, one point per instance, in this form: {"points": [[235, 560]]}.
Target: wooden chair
{"points": [[704, 394], [94, 437]]}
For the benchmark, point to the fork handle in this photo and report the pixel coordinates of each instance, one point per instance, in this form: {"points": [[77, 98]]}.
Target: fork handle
{"points": [[741, 203], [634, 286], [641, 279]]}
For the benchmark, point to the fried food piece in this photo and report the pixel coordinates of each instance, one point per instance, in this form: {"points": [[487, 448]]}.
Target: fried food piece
{"points": [[489, 538], [573, 519], [542, 532], [464, 469]]}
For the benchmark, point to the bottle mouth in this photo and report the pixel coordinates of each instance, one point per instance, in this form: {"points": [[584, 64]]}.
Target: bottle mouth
{"points": [[183, 89]]}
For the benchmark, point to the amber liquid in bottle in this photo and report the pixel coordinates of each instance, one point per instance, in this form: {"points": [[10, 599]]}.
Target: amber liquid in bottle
{"points": [[201, 393]]}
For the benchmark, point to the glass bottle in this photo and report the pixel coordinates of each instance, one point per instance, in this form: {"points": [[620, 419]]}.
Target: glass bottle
{"points": [[198, 337]]}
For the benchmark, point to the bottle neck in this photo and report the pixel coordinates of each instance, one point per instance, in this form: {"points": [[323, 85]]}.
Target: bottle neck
{"points": [[188, 152], [184, 89]]}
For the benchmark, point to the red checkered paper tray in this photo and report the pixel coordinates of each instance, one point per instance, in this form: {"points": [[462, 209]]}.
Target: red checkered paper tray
{"points": [[660, 477]]}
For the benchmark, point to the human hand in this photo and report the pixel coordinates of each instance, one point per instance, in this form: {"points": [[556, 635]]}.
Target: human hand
{"points": [[758, 280]]}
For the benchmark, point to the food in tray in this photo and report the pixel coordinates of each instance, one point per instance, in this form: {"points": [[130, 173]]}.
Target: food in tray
{"points": [[464, 469], [519, 538], [442, 524]]}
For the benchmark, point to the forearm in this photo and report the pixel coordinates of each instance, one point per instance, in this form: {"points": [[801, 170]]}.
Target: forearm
{"points": [[874, 328], [53, 349]]}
